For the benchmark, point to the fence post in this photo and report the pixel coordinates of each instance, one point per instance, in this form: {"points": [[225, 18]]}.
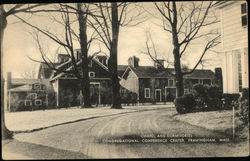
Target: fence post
{"points": [[233, 122]]}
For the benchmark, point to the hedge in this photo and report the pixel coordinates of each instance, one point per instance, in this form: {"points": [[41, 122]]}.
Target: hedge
{"points": [[185, 104]]}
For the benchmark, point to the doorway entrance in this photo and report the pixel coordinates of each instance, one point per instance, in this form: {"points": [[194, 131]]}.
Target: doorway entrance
{"points": [[158, 95], [95, 97]]}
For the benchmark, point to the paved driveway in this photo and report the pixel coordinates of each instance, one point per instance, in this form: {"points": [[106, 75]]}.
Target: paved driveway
{"points": [[89, 138]]}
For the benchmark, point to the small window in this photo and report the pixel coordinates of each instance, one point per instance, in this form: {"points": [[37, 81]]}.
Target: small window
{"points": [[243, 8], [186, 91], [171, 82], [90, 63], [33, 95], [123, 90], [27, 102], [91, 74], [244, 14], [200, 81], [147, 92], [36, 86], [38, 102]]}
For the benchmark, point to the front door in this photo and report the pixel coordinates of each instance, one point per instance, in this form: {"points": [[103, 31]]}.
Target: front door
{"points": [[94, 93], [158, 95]]}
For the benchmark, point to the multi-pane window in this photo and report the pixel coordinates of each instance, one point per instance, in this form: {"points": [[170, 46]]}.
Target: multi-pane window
{"points": [[90, 63], [28, 103], [36, 87], [33, 95], [200, 81], [171, 82], [147, 92], [244, 14], [186, 91], [38, 102], [91, 74]]}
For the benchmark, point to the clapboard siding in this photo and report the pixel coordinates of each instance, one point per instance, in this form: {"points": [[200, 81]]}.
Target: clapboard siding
{"points": [[131, 82], [233, 35]]}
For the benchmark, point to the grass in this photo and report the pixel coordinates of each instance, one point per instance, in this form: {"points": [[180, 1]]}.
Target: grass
{"points": [[221, 121]]}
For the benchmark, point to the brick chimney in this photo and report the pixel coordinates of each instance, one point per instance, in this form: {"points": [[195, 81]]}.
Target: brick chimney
{"points": [[159, 63], [77, 54], [8, 80], [133, 61]]}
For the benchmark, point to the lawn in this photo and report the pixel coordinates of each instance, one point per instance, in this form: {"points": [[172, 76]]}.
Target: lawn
{"points": [[221, 121]]}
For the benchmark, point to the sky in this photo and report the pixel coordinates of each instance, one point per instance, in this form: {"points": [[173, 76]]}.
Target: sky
{"points": [[19, 45]]}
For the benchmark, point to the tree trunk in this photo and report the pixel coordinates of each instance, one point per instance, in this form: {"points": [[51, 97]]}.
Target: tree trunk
{"points": [[176, 53], [6, 134], [116, 99], [179, 78], [84, 51]]}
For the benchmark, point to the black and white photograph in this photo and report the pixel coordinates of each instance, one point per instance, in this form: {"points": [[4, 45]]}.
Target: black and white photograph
{"points": [[105, 80]]}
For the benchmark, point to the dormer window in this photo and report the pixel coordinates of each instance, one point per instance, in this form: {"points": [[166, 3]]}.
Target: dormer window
{"points": [[90, 63], [91, 74], [36, 86], [244, 15]]}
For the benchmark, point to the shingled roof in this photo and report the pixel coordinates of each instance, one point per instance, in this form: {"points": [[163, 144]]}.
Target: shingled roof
{"points": [[121, 69], [45, 70], [22, 88], [201, 73], [152, 72], [23, 81]]}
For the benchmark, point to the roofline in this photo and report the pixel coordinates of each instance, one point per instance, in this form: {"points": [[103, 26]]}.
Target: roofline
{"points": [[62, 73], [223, 3], [125, 71], [99, 63], [133, 71]]}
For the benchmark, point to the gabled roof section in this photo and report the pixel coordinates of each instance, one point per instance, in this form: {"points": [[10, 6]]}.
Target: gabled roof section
{"points": [[152, 72], [45, 71], [23, 88], [202, 74], [62, 66], [57, 75], [21, 81], [121, 69], [223, 3]]}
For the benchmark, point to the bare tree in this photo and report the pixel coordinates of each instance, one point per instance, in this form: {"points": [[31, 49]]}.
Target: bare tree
{"points": [[113, 16], [5, 12], [187, 22], [79, 69]]}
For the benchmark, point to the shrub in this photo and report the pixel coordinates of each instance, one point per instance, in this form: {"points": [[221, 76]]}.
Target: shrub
{"points": [[243, 113], [229, 100], [200, 93], [185, 104], [214, 96], [243, 105], [245, 93], [128, 97], [207, 97]]}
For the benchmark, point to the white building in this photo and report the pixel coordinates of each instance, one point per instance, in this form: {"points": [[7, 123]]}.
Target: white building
{"points": [[234, 38]]}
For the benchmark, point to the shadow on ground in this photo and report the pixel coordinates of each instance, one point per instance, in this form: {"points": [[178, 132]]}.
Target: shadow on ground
{"points": [[38, 151]]}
